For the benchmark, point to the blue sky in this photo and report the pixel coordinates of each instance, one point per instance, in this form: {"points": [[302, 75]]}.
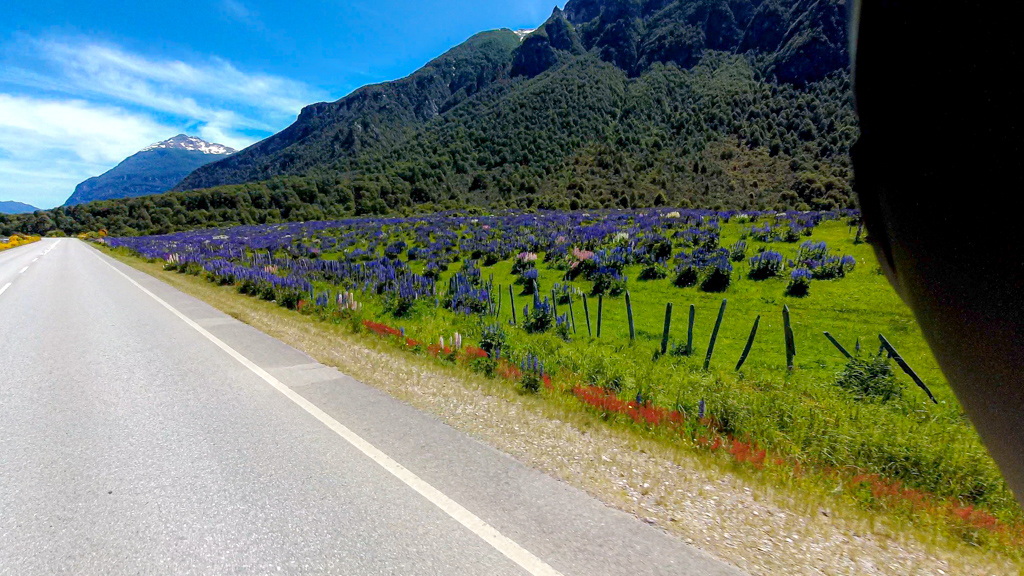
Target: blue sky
{"points": [[85, 84]]}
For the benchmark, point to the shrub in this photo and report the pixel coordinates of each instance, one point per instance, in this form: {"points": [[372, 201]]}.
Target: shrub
{"points": [[608, 281], [288, 298], [870, 378], [738, 251], [799, 282], [581, 262], [812, 251], [529, 280], [492, 339], [687, 274], [484, 365], [563, 329], [395, 249], [524, 261], [563, 292], [763, 233], [433, 270], [533, 373], [539, 319], [464, 294], [655, 271], [659, 249], [834, 267], [765, 265], [815, 256], [792, 232], [531, 382], [398, 306], [718, 275]]}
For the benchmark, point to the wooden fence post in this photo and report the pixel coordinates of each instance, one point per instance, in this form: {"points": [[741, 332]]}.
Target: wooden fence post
{"points": [[586, 312], [750, 342], [689, 331], [629, 316], [837, 345], [665, 330], [790, 343], [600, 308], [714, 336], [554, 303], [497, 310], [512, 303], [572, 316], [906, 367]]}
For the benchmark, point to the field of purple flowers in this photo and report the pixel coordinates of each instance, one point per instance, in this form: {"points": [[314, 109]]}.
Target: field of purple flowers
{"points": [[581, 298]]}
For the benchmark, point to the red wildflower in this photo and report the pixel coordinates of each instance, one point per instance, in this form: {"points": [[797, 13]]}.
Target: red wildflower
{"points": [[474, 352], [508, 371], [381, 330]]}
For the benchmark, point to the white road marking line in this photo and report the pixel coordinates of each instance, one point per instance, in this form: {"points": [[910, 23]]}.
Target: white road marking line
{"points": [[22, 271], [4, 289], [485, 531], [36, 258]]}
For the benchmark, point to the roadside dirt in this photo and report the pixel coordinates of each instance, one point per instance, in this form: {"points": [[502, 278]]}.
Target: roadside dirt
{"points": [[759, 530]]}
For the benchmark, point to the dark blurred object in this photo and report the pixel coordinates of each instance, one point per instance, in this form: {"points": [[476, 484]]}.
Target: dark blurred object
{"points": [[938, 174]]}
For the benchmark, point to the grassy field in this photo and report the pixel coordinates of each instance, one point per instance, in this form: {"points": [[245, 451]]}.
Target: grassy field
{"points": [[908, 456], [767, 521]]}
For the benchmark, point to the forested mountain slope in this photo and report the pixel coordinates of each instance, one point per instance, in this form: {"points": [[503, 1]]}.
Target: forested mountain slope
{"points": [[610, 103], [373, 115]]}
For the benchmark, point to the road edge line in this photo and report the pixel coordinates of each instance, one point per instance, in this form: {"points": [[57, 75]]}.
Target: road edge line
{"points": [[509, 548]]}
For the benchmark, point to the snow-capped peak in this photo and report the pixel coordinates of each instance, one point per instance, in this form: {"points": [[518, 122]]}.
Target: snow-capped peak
{"points": [[524, 33], [185, 142]]}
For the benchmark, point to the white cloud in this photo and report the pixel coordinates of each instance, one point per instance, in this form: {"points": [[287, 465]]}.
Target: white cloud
{"points": [[91, 105], [214, 93], [46, 143], [174, 85], [95, 133], [239, 12]]}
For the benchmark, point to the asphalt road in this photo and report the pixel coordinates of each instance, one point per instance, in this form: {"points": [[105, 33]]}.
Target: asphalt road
{"points": [[144, 432]]}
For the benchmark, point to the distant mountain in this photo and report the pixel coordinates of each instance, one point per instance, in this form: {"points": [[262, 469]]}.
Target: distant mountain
{"points": [[606, 98], [154, 169], [374, 115], [12, 207], [726, 104]]}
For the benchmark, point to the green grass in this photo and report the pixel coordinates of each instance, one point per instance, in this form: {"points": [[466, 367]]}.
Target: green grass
{"points": [[801, 416], [658, 453]]}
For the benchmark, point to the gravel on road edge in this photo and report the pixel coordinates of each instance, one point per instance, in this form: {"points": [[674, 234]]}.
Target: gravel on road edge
{"points": [[760, 531]]}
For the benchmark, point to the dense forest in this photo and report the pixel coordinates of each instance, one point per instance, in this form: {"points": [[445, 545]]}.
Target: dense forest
{"points": [[611, 103]]}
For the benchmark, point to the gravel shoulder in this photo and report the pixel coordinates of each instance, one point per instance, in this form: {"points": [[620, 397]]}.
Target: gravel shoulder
{"points": [[757, 528]]}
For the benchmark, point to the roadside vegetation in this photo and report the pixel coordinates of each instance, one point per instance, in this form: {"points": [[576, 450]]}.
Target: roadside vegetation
{"points": [[16, 240], [857, 429]]}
